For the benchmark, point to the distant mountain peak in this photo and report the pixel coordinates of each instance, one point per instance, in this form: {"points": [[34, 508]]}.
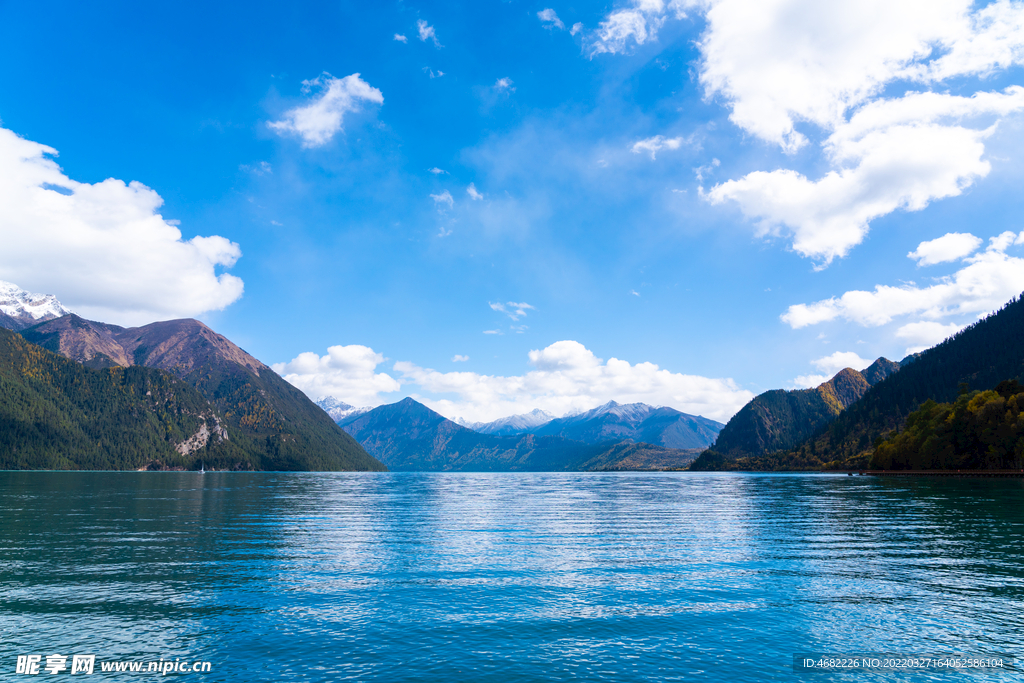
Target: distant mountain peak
{"points": [[337, 409], [20, 309], [513, 424]]}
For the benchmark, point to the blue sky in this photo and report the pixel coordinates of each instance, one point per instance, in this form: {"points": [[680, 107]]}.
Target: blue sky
{"points": [[535, 188]]}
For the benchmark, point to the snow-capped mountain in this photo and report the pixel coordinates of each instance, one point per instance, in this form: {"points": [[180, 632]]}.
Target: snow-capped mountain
{"points": [[338, 410], [20, 309], [638, 422], [513, 424]]}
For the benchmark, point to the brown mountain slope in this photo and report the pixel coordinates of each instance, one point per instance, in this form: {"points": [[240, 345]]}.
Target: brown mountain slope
{"points": [[263, 412], [779, 419]]}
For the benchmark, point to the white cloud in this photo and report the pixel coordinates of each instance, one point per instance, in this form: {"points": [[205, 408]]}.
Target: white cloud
{"points": [[897, 157], [427, 32], [317, 122], [926, 334], [472, 192], [346, 372], [566, 376], [512, 309], [400, 38], [459, 358], [102, 248], [576, 28], [988, 281], [788, 68], [655, 144], [493, 332], [504, 85], [949, 247], [437, 171], [839, 360], [634, 25], [829, 366], [550, 19], [443, 198], [809, 381]]}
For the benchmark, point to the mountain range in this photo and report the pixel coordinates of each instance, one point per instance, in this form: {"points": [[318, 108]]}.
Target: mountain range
{"points": [[983, 356], [639, 422], [612, 421], [206, 400], [20, 309], [408, 436], [513, 424]]}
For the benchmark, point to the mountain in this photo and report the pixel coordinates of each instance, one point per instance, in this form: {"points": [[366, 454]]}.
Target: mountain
{"points": [[780, 419], [408, 436], [20, 309], [640, 422], [338, 410], [265, 416], [58, 414], [513, 424], [980, 356]]}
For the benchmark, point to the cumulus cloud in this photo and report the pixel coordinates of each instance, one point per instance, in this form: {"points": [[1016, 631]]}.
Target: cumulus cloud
{"points": [[443, 198], [926, 334], [550, 19], [427, 32], [437, 171], [949, 247], [346, 372], [988, 281], [838, 69], [320, 120], [400, 38], [839, 360], [472, 192], [653, 145], [828, 366], [459, 358], [566, 376], [512, 309], [576, 28], [896, 156], [103, 248]]}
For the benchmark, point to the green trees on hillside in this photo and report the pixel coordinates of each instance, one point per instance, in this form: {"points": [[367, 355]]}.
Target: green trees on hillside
{"points": [[980, 430]]}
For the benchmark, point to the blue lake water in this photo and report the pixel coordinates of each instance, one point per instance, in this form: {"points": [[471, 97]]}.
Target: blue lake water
{"points": [[506, 577]]}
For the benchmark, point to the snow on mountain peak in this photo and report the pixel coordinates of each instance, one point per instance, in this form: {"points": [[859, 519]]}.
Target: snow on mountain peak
{"points": [[628, 412], [512, 423], [338, 409], [28, 308]]}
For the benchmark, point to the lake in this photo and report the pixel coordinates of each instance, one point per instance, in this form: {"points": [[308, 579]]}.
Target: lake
{"points": [[506, 577]]}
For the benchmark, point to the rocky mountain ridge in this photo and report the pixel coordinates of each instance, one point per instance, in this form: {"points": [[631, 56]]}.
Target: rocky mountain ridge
{"points": [[20, 309]]}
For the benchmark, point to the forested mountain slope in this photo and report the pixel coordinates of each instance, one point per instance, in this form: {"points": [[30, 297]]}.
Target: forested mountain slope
{"points": [[780, 419], [269, 419]]}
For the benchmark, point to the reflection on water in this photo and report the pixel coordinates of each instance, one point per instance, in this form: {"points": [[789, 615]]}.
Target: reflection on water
{"points": [[506, 577]]}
